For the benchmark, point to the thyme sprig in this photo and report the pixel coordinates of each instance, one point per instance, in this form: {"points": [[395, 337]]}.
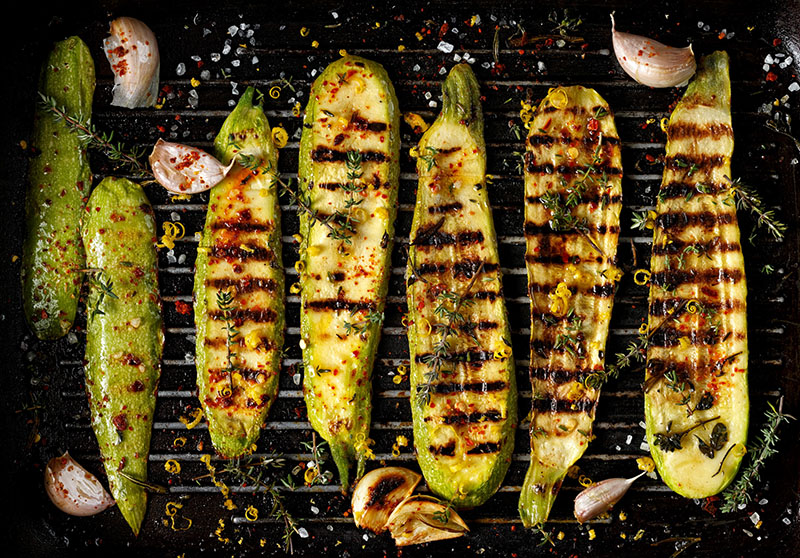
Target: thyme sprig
{"points": [[227, 305], [746, 197], [740, 493], [105, 289], [454, 319], [361, 326], [672, 441], [128, 157]]}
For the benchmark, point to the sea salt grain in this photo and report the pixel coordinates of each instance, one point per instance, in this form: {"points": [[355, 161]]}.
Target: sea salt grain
{"points": [[233, 30], [755, 518], [442, 70], [215, 56], [768, 59], [302, 532], [181, 69], [445, 47], [644, 446], [628, 440], [786, 521]]}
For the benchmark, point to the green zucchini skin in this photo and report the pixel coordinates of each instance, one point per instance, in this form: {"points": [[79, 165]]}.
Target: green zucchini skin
{"points": [[240, 253], [124, 343], [463, 437], [352, 108], [59, 180], [693, 345]]}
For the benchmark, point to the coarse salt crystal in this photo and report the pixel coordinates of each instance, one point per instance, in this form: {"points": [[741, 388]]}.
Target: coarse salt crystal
{"points": [[768, 59], [215, 56], [254, 60], [456, 58], [786, 521], [765, 67], [427, 95], [182, 259], [302, 532], [335, 15], [314, 510], [699, 24], [232, 30], [442, 70], [628, 440], [365, 537], [749, 534], [644, 446], [416, 68], [763, 502], [540, 65], [560, 43], [235, 63], [181, 69], [755, 518], [432, 104], [789, 60], [296, 379], [206, 31], [445, 47], [642, 424], [603, 52], [226, 49]]}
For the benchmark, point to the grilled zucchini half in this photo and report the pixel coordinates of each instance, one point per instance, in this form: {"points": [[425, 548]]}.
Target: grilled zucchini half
{"points": [[573, 198], [696, 397], [124, 336], [463, 385], [239, 285], [347, 197]]}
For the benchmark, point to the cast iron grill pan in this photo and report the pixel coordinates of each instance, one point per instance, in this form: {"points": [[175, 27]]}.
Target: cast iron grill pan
{"points": [[50, 375]]}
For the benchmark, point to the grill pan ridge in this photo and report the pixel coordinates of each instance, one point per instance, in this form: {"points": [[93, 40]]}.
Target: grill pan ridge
{"points": [[44, 392]]}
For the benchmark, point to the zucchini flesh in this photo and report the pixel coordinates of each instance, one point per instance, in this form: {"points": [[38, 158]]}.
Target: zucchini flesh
{"points": [[697, 358], [351, 117], [124, 336], [464, 406], [59, 181], [240, 255], [572, 152]]}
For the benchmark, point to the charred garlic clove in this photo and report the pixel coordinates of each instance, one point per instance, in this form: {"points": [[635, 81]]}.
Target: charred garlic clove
{"points": [[185, 170], [650, 62], [420, 519], [73, 489], [378, 493], [601, 497], [132, 51]]}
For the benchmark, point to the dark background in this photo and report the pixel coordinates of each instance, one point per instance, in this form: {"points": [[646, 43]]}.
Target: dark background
{"points": [[48, 376]]}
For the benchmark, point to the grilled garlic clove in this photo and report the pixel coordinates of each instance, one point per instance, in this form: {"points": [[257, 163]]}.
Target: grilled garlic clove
{"points": [[185, 170], [378, 493], [420, 519], [132, 51], [73, 489], [601, 497], [652, 63]]}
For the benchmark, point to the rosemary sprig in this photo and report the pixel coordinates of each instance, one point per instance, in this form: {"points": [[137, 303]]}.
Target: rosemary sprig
{"points": [[740, 492], [105, 288], [746, 197], [454, 319], [130, 158], [227, 304]]}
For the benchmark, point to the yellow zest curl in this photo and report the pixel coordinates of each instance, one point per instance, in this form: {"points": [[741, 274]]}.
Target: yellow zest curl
{"points": [[641, 276], [280, 136], [172, 466]]}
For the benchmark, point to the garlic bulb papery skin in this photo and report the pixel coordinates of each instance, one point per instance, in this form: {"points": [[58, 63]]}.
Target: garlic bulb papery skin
{"points": [[183, 169], [652, 63], [132, 51], [73, 489], [601, 497]]}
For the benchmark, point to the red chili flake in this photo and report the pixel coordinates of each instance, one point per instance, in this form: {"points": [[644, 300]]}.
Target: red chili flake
{"points": [[709, 506], [136, 386], [772, 76], [182, 307], [776, 42], [120, 422], [592, 125]]}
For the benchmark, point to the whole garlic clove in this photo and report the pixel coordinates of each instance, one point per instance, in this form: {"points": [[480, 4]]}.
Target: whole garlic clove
{"points": [[601, 497], [73, 489], [420, 519], [378, 493], [185, 170], [652, 63], [132, 51]]}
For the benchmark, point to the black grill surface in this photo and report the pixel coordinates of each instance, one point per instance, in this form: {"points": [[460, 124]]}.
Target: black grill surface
{"points": [[228, 46]]}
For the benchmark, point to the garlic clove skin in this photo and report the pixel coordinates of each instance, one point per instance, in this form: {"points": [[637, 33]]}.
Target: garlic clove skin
{"points": [[378, 493], [73, 489], [418, 519], [601, 497], [182, 169], [652, 63], [132, 51]]}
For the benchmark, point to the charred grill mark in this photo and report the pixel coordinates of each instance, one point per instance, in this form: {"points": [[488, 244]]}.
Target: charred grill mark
{"points": [[221, 343], [473, 358], [665, 306], [544, 139], [484, 325], [679, 220], [588, 198], [426, 231], [565, 258], [694, 163], [567, 170], [241, 226], [468, 418], [242, 315], [385, 486], [668, 336], [472, 387], [577, 109], [430, 268], [328, 155], [559, 376], [532, 228], [442, 239], [601, 290], [491, 296], [243, 285], [448, 449], [445, 208], [549, 404], [715, 246], [467, 268], [672, 278], [242, 252], [678, 189], [485, 447], [333, 186], [680, 130], [337, 276], [357, 122], [334, 304]]}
